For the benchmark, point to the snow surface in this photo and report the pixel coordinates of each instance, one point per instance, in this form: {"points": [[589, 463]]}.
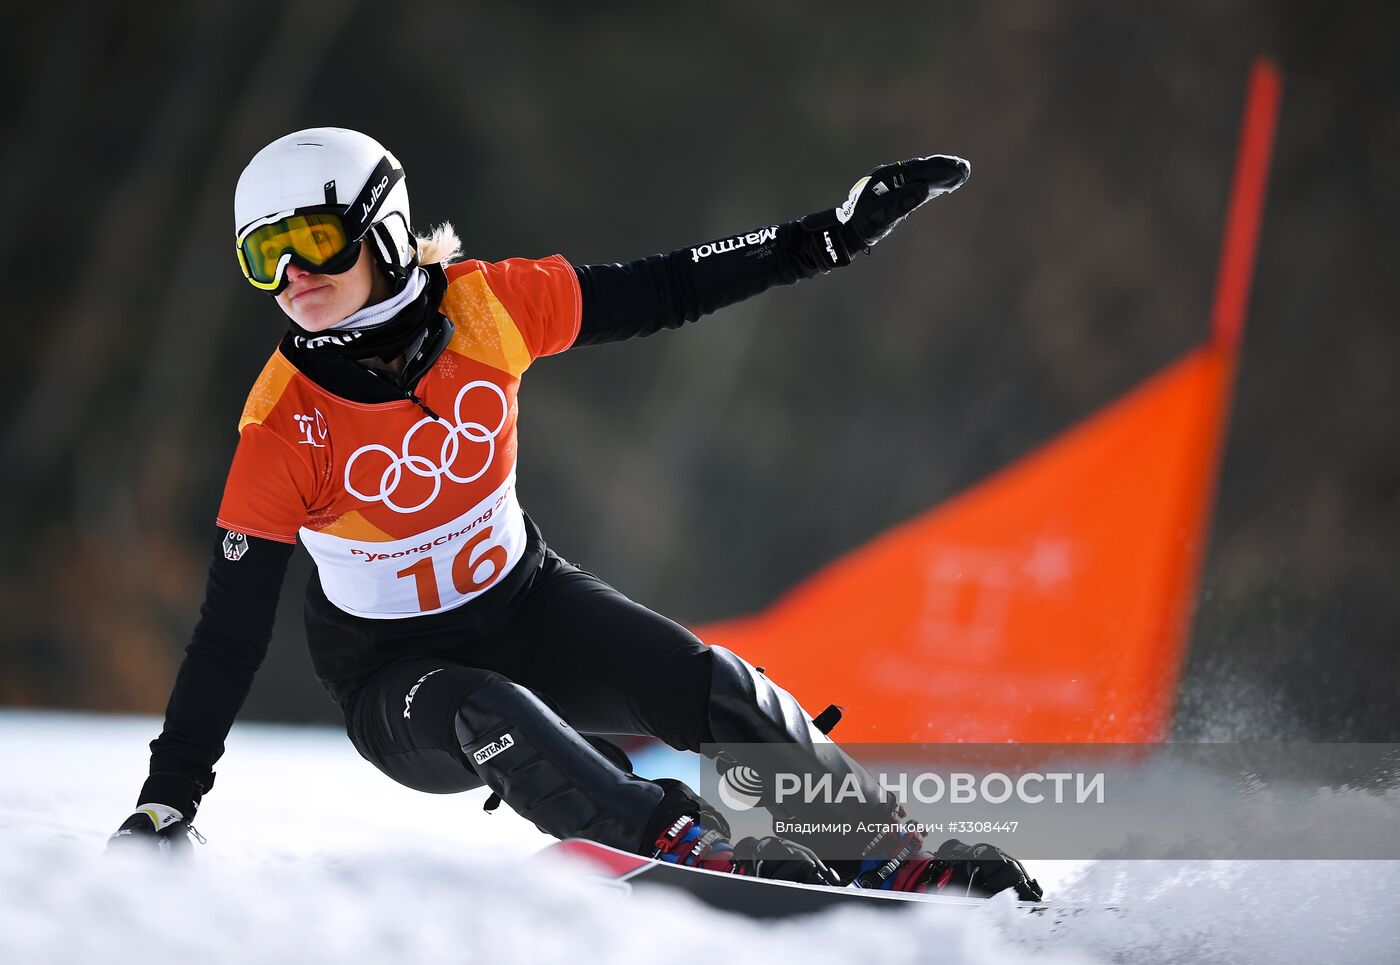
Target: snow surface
{"points": [[314, 856]]}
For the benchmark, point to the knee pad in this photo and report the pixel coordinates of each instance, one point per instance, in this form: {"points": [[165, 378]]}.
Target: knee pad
{"points": [[548, 772], [746, 708]]}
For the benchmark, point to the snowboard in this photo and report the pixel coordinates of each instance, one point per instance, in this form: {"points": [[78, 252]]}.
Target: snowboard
{"points": [[762, 898]]}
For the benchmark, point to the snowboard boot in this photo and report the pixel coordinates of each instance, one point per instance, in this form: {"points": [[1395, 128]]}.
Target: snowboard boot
{"points": [[898, 861], [689, 842], [698, 837]]}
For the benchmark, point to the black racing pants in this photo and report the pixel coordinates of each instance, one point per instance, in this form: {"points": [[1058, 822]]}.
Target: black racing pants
{"points": [[606, 664], [498, 692]]}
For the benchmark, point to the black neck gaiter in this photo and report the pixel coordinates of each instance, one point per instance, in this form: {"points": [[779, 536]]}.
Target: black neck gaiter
{"points": [[386, 341]]}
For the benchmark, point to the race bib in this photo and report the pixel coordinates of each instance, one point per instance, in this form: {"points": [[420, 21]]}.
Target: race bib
{"points": [[433, 571]]}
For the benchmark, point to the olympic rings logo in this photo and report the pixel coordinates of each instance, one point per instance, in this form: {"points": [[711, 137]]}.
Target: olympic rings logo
{"points": [[422, 466]]}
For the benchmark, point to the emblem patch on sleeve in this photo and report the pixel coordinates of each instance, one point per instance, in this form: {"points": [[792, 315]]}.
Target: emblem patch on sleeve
{"points": [[235, 545]]}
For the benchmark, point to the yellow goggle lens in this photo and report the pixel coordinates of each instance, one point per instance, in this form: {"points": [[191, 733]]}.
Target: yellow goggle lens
{"points": [[317, 238]]}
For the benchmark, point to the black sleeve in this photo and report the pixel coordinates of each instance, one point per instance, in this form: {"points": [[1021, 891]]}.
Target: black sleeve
{"points": [[665, 291], [227, 647]]}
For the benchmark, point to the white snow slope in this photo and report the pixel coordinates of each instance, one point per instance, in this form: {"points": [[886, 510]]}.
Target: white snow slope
{"points": [[314, 856]]}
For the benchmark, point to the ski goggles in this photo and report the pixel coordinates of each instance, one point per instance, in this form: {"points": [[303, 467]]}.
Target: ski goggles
{"points": [[324, 239], [316, 241]]}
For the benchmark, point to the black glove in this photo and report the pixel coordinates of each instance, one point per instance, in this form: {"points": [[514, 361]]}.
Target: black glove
{"points": [[156, 830], [162, 826], [982, 870], [882, 199]]}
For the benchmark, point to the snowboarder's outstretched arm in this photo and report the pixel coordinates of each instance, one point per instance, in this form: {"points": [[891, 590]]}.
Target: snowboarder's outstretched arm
{"points": [[225, 651], [642, 297]]}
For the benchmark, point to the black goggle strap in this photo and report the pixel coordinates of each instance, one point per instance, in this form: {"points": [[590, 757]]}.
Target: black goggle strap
{"points": [[361, 212]]}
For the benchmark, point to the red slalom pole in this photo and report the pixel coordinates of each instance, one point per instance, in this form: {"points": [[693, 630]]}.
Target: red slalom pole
{"points": [[1246, 210]]}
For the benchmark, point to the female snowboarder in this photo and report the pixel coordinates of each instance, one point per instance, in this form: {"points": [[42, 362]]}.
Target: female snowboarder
{"points": [[461, 649]]}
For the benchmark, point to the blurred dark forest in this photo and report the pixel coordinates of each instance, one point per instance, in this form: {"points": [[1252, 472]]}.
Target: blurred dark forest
{"points": [[704, 472]]}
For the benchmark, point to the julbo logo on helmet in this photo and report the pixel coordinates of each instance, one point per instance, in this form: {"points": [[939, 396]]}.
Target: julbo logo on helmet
{"points": [[367, 208], [287, 209]]}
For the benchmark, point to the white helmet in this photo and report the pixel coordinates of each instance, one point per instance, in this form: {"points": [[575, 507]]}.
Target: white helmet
{"points": [[310, 197]]}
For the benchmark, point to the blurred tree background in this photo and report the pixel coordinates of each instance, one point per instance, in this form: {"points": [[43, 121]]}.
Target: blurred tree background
{"points": [[704, 472]]}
